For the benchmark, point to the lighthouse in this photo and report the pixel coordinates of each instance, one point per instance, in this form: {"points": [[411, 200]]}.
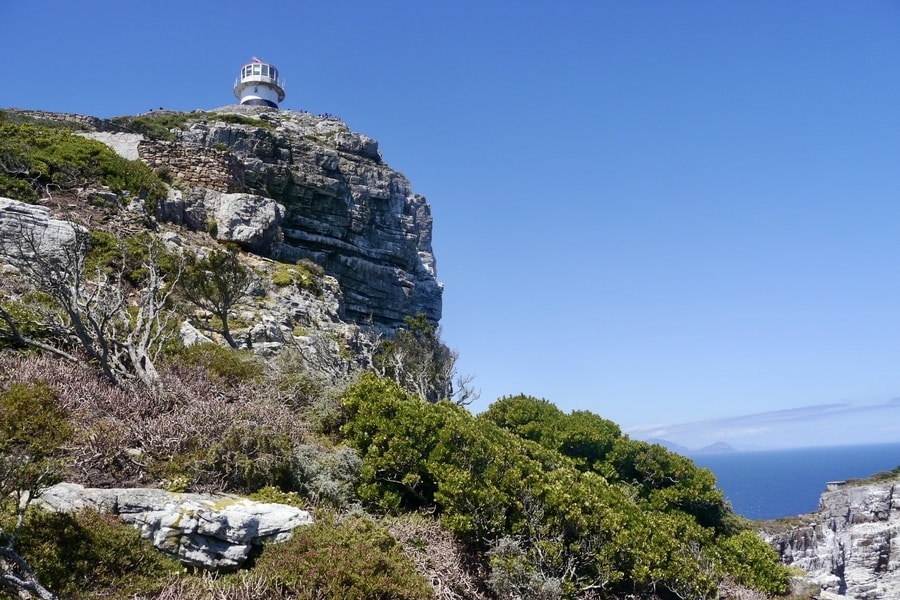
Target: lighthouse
{"points": [[259, 84]]}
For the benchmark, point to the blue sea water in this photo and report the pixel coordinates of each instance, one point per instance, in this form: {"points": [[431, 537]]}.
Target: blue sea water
{"points": [[782, 483]]}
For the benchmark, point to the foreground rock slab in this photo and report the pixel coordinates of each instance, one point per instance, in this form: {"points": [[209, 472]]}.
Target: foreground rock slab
{"points": [[213, 531]]}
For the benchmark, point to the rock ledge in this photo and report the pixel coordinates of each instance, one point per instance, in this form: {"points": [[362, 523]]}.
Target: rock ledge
{"points": [[214, 531]]}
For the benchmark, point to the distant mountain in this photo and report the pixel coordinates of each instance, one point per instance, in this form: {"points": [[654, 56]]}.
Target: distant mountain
{"points": [[717, 448]]}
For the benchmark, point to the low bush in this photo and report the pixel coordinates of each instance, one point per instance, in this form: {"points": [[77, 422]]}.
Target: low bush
{"points": [[229, 366], [306, 275], [327, 477], [159, 126], [750, 561], [32, 422], [575, 505], [239, 120], [248, 457], [28, 318], [90, 555], [351, 560], [154, 126]]}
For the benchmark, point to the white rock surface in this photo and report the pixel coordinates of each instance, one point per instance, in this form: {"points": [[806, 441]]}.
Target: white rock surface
{"points": [[23, 225], [206, 530], [123, 144], [190, 335], [851, 545], [246, 219]]}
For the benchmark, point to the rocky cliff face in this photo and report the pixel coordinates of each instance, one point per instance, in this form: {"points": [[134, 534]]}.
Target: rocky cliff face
{"points": [[343, 207], [290, 186], [851, 545]]}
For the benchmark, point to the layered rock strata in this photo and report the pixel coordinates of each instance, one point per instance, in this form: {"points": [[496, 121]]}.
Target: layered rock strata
{"points": [[851, 546], [344, 208]]}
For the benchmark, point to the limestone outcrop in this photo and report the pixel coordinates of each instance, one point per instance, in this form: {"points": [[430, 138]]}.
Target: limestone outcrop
{"points": [[214, 531], [27, 228], [851, 545]]}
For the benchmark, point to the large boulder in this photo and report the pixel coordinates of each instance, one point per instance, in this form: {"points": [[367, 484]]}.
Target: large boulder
{"points": [[28, 229], [251, 221], [214, 531]]}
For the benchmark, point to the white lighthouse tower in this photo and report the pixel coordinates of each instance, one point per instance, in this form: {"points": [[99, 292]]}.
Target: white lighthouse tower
{"points": [[259, 84]]}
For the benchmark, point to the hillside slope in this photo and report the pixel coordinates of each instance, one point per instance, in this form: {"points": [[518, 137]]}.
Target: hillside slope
{"points": [[289, 186]]}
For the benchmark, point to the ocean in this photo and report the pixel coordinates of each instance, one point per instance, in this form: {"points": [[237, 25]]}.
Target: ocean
{"points": [[781, 483]]}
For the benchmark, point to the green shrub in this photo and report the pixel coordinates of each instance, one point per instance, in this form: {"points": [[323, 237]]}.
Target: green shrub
{"points": [[586, 506], [394, 434], [351, 560], [54, 158], [750, 561], [32, 421], [283, 276], [129, 256], [305, 274], [155, 126], [18, 189], [89, 555], [248, 458], [28, 319], [239, 120], [274, 495], [227, 365], [158, 126]]}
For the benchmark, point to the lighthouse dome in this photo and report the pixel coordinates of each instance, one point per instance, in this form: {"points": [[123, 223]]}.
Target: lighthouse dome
{"points": [[259, 84]]}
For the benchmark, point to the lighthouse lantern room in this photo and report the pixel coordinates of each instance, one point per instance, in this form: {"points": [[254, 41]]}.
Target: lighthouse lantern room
{"points": [[259, 84]]}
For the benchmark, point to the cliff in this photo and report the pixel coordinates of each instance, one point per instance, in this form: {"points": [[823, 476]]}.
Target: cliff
{"points": [[851, 545], [290, 186], [344, 208]]}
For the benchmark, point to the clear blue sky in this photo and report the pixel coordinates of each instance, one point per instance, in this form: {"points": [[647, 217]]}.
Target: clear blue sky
{"points": [[682, 216]]}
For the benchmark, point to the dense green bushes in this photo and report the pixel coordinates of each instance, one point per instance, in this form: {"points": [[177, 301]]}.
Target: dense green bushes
{"points": [[567, 509], [88, 554], [560, 502], [36, 159], [33, 431]]}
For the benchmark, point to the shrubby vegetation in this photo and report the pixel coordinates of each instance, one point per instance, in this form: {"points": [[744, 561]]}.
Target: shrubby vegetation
{"points": [[159, 125], [355, 559], [38, 160], [563, 504], [88, 555]]}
